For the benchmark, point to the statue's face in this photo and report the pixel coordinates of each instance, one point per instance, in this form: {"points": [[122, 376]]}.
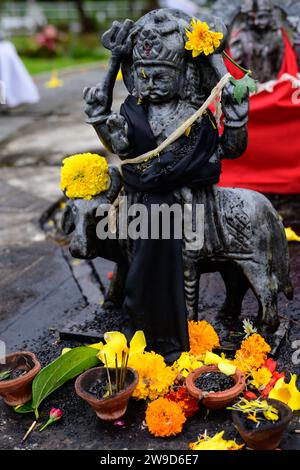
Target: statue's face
{"points": [[157, 84], [260, 20]]}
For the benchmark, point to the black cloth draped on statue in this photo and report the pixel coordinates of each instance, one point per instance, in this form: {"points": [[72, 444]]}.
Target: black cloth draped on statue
{"points": [[154, 290]]}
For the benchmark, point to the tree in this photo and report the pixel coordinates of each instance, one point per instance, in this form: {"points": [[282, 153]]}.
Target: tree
{"points": [[87, 24]]}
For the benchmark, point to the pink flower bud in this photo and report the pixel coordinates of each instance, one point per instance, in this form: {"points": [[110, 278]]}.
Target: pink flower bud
{"points": [[55, 414]]}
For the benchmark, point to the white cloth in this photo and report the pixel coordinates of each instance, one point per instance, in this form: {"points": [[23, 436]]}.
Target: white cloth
{"points": [[18, 84]]}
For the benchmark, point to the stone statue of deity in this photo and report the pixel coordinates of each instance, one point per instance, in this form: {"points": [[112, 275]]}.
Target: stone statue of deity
{"points": [[255, 33], [243, 236]]}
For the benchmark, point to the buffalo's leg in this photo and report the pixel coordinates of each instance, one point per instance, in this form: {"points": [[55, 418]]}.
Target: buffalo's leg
{"points": [[266, 292], [191, 287], [236, 287], [115, 294]]}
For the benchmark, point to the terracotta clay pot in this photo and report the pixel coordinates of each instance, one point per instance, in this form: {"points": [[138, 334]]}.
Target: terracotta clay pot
{"points": [[18, 391], [215, 400], [111, 408], [268, 437]]}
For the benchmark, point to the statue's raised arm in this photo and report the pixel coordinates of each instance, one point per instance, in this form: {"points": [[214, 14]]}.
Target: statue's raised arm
{"points": [[110, 126]]}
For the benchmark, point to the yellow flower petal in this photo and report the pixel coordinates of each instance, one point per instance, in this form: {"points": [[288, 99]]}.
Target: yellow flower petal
{"points": [[280, 391], [138, 343], [226, 369], [294, 401], [291, 235], [211, 358], [96, 345]]}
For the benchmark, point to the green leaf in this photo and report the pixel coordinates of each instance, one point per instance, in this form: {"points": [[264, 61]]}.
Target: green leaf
{"points": [[242, 86], [57, 373], [27, 408]]}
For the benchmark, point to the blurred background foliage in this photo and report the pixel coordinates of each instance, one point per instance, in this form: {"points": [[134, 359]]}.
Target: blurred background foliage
{"points": [[58, 34]]}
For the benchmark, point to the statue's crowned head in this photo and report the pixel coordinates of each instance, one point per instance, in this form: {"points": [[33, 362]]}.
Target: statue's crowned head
{"points": [[159, 58], [260, 13]]}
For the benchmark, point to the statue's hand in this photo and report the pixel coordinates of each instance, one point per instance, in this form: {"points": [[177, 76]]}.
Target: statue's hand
{"points": [[118, 38], [97, 103], [236, 115], [118, 129]]}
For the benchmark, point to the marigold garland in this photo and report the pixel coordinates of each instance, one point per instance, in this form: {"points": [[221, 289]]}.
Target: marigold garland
{"points": [[203, 337], [155, 377], [252, 354], [164, 418], [201, 40], [84, 175]]}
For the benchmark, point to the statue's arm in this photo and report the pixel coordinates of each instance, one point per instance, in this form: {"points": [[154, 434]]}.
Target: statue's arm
{"points": [[234, 139], [110, 126]]}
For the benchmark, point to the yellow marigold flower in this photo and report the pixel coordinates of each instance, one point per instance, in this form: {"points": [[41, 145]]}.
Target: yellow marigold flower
{"points": [[252, 354], [201, 40], [214, 443], [261, 377], [202, 337], [155, 377], [287, 393], [164, 418], [84, 175], [186, 363]]}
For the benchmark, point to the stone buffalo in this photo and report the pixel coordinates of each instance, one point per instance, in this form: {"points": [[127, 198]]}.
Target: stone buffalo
{"points": [[250, 252]]}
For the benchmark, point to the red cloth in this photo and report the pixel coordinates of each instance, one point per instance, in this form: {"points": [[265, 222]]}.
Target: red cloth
{"points": [[271, 162]]}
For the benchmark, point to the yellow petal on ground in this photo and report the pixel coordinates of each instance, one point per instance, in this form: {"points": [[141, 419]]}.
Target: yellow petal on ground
{"points": [[280, 391], [291, 236], [138, 343], [227, 369], [294, 401]]}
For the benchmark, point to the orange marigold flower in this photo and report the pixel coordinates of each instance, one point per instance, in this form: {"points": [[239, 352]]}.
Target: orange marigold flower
{"points": [[164, 418], [252, 354], [202, 337], [188, 403]]}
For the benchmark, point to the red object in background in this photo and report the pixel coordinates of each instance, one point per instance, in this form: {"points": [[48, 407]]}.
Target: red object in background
{"points": [[110, 275], [271, 162]]}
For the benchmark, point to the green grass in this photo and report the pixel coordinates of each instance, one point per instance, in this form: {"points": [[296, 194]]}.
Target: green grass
{"points": [[37, 65], [73, 50]]}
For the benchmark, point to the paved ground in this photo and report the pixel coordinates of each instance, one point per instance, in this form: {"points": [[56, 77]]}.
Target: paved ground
{"points": [[42, 290]]}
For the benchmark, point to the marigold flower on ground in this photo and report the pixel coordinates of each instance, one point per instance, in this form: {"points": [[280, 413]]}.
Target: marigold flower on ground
{"points": [[84, 175], [164, 418], [155, 377], [188, 403], [202, 337], [201, 40], [252, 354], [214, 443]]}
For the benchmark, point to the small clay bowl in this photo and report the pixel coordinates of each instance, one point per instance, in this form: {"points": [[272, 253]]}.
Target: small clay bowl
{"points": [[268, 437], [18, 391], [110, 408], [215, 400]]}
